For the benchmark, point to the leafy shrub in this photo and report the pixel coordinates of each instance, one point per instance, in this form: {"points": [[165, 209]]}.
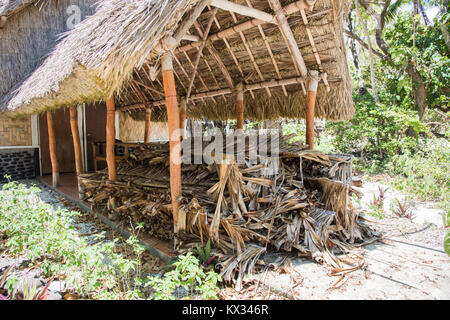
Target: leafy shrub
{"points": [[33, 228], [424, 172], [186, 275]]}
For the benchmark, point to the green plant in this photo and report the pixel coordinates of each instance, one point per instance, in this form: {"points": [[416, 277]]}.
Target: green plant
{"points": [[205, 255], [376, 206], [187, 275], [46, 236]]}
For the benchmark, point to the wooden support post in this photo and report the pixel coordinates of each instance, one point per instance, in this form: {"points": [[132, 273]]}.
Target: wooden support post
{"points": [[52, 149], [183, 117], [148, 120], [173, 116], [240, 106], [310, 105], [111, 138], [76, 140]]}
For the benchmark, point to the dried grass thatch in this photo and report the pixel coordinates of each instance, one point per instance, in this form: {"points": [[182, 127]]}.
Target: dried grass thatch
{"points": [[113, 52], [98, 55], [28, 35]]}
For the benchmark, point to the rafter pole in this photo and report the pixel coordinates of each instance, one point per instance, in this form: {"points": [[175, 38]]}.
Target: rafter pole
{"points": [[288, 10], [310, 105], [250, 54], [173, 116], [110, 138], [248, 87], [269, 50], [283, 24], [243, 10], [200, 51], [52, 150], [216, 56]]}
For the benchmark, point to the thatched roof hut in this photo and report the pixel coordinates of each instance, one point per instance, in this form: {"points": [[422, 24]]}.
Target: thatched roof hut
{"points": [[117, 50], [29, 31]]}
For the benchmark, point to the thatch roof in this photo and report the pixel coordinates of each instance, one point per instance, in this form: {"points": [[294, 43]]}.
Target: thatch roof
{"points": [[28, 35], [11, 7], [113, 51]]}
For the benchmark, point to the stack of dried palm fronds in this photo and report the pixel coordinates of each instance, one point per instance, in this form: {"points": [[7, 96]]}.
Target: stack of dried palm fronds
{"points": [[243, 209]]}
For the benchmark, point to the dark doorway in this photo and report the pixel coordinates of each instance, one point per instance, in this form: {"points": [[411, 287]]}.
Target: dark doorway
{"points": [[95, 130]]}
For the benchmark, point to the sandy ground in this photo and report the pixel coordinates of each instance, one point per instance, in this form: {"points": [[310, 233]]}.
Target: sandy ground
{"points": [[409, 264]]}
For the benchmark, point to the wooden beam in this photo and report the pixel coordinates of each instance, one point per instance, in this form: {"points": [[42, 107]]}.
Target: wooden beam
{"points": [[269, 50], [226, 91], [285, 29], [187, 23], [288, 10], [200, 52], [310, 105], [111, 139], [240, 106], [216, 56], [76, 140], [243, 10], [173, 118], [190, 37], [148, 119], [52, 150]]}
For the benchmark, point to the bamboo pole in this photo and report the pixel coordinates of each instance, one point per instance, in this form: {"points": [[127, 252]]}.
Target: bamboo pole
{"points": [[240, 106], [243, 10], [52, 150], [285, 29], [200, 52], [226, 91], [310, 105], [76, 140], [215, 54], [110, 139], [288, 10], [174, 138], [250, 54], [185, 73], [269, 50], [148, 117]]}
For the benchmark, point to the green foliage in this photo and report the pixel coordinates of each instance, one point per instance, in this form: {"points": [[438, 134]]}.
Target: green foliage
{"points": [[424, 171], [33, 228], [186, 275], [204, 255], [377, 132], [429, 55]]}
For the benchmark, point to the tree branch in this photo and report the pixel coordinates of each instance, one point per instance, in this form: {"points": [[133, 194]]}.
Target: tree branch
{"points": [[363, 44]]}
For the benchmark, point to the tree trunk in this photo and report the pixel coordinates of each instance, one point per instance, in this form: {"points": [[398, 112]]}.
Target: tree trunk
{"points": [[369, 43], [419, 89]]}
